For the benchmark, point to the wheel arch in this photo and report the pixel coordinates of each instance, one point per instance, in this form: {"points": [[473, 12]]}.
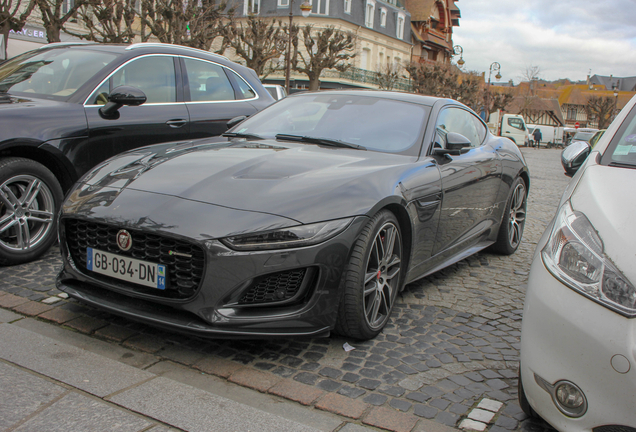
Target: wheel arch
{"points": [[40, 154]]}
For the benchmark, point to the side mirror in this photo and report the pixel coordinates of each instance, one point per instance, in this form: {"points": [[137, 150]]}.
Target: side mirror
{"points": [[122, 95], [236, 120], [456, 144], [573, 156]]}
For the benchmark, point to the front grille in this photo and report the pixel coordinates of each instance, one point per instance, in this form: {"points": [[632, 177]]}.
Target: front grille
{"points": [[184, 274], [614, 428], [275, 287]]}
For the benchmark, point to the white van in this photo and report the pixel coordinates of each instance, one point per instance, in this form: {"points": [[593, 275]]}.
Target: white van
{"points": [[511, 126]]}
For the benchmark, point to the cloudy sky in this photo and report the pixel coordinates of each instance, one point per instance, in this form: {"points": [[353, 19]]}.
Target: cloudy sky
{"points": [[564, 38]]}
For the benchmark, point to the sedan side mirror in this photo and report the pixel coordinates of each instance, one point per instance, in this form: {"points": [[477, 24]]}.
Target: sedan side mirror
{"points": [[236, 120], [456, 144], [122, 95], [573, 156]]}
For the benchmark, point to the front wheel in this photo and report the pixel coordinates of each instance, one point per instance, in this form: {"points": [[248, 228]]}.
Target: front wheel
{"points": [[513, 221], [30, 196], [372, 278]]}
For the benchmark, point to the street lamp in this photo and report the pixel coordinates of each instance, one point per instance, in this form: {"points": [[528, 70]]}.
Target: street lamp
{"points": [[615, 103], [458, 50], [497, 68], [305, 9]]}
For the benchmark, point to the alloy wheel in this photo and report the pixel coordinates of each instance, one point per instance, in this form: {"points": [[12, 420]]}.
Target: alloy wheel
{"points": [[382, 275], [27, 210], [517, 215]]}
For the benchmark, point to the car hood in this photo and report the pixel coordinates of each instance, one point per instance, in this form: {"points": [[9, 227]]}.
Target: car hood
{"points": [[303, 182], [601, 197]]}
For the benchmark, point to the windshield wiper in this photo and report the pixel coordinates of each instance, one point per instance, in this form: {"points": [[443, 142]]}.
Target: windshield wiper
{"points": [[622, 165], [242, 135], [320, 141]]}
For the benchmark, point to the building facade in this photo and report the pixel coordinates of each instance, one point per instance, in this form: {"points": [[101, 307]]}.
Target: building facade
{"points": [[432, 23], [382, 30]]}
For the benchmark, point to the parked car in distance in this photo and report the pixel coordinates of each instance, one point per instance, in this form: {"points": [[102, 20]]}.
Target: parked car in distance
{"points": [[578, 351], [277, 91], [66, 107], [580, 134], [573, 156], [309, 217]]}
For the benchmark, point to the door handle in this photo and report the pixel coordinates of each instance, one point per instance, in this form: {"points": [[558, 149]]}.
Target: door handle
{"points": [[176, 123]]}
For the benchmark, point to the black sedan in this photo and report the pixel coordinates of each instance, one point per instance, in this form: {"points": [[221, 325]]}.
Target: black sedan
{"points": [[309, 217], [66, 107]]}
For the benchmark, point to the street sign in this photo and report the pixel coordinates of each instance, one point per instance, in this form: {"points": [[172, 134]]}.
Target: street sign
{"points": [[576, 125]]}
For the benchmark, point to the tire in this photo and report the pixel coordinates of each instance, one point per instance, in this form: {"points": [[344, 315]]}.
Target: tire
{"points": [[523, 401], [372, 278], [30, 197], [513, 221]]}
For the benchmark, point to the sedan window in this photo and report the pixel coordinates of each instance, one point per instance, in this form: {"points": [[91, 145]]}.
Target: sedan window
{"points": [[207, 82], [52, 73], [621, 151], [459, 121]]}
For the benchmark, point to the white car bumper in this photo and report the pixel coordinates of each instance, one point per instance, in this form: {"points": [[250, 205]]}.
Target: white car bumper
{"points": [[566, 336]]}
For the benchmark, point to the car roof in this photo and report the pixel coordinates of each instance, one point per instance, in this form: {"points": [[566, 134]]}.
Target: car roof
{"points": [[139, 48], [384, 94]]}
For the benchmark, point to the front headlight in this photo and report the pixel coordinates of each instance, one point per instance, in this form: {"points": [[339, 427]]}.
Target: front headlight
{"points": [[297, 236], [574, 255]]}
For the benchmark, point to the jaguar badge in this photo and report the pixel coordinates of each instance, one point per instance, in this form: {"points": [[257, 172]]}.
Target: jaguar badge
{"points": [[124, 240]]}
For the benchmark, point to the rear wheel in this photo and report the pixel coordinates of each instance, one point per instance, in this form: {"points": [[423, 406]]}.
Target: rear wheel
{"points": [[372, 278], [514, 219], [30, 196]]}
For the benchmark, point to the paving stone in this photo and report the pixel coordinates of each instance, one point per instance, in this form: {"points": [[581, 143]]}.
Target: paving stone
{"points": [[425, 411], [297, 392], [352, 392], [369, 384], [219, 367], [142, 342], [447, 418], [387, 418], [341, 405], [32, 308], [507, 423], [439, 404], [375, 399], [400, 404]]}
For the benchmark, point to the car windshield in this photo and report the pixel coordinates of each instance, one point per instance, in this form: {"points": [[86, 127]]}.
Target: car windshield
{"points": [[374, 123], [622, 149], [582, 136], [55, 73]]}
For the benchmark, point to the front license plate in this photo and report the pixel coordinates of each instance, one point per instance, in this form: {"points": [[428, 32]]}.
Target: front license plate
{"points": [[125, 268]]}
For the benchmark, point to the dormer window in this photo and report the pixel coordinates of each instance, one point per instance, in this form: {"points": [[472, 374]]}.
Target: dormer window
{"points": [[399, 25], [369, 13], [382, 17]]}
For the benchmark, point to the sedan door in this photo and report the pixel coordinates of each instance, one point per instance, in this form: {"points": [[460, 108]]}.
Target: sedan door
{"points": [[470, 185], [215, 94], [162, 118]]}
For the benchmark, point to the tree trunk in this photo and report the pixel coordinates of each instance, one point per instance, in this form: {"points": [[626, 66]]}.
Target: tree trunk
{"points": [[52, 33], [314, 84], [4, 30]]}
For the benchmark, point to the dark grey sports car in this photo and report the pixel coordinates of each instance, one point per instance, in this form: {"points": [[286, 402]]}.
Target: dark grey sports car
{"points": [[307, 218]]}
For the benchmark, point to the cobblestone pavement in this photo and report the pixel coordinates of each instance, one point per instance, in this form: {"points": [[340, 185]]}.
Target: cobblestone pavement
{"points": [[452, 342]]}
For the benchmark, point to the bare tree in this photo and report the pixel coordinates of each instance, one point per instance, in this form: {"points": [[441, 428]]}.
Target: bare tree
{"points": [[499, 101], [531, 75], [443, 80], [13, 15], [258, 41], [55, 15], [388, 77], [600, 108], [328, 48], [106, 21], [184, 22]]}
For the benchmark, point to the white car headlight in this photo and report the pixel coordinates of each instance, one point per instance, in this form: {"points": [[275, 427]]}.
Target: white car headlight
{"points": [[297, 236], [574, 255]]}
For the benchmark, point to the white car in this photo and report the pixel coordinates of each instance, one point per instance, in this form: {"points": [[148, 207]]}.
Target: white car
{"points": [[578, 340]]}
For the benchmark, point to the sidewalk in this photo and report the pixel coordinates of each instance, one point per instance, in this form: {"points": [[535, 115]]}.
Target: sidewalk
{"points": [[57, 380]]}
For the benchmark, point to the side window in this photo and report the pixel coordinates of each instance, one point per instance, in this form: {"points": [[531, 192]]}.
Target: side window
{"points": [[244, 88], [154, 75], [207, 81], [459, 121], [516, 123]]}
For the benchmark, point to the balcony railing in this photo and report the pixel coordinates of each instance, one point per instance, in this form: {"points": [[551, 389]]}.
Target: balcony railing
{"points": [[371, 78]]}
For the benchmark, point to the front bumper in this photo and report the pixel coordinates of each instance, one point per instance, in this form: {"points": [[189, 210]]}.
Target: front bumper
{"points": [[566, 336], [213, 310]]}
